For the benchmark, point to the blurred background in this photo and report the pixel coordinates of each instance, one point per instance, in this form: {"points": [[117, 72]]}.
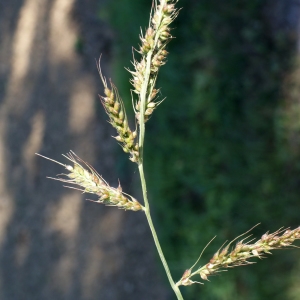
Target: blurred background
{"points": [[53, 244], [222, 152]]}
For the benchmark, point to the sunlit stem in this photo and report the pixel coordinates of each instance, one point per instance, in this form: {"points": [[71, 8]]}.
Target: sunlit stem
{"points": [[143, 98]]}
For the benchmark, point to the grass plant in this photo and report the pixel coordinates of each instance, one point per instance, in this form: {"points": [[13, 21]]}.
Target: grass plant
{"points": [[152, 55]]}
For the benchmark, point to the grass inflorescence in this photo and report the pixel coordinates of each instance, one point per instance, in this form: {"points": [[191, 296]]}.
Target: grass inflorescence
{"points": [[239, 255], [153, 55], [87, 180], [115, 109]]}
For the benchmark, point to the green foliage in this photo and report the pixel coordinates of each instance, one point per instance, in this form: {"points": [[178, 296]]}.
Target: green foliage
{"points": [[217, 162]]}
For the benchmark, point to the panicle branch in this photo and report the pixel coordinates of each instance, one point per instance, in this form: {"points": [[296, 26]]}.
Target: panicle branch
{"points": [[238, 256], [115, 109], [154, 53], [84, 176]]}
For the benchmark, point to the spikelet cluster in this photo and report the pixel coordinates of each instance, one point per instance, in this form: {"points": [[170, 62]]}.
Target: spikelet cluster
{"points": [[241, 253], [84, 176], [115, 109], [153, 52]]}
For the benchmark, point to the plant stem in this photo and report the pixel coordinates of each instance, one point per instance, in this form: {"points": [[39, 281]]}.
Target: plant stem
{"points": [[143, 100], [143, 181], [156, 241]]}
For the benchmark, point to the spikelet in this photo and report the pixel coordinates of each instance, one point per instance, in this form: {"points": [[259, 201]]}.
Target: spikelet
{"points": [[84, 176], [115, 109], [152, 50], [240, 254]]}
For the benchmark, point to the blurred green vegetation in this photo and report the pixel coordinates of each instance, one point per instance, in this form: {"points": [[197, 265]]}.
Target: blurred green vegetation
{"points": [[221, 153]]}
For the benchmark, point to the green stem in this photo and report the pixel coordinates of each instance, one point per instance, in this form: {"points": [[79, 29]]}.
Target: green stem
{"points": [[143, 101], [156, 241], [142, 176]]}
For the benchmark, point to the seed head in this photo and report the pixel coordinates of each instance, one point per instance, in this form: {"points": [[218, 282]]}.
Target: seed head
{"points": [[240, 254], [87, 180], [115, 110], [153, 54]]}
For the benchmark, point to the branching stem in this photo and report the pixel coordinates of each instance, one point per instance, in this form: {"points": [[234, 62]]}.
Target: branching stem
{"points": [[156, 241], [143, 99]]}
